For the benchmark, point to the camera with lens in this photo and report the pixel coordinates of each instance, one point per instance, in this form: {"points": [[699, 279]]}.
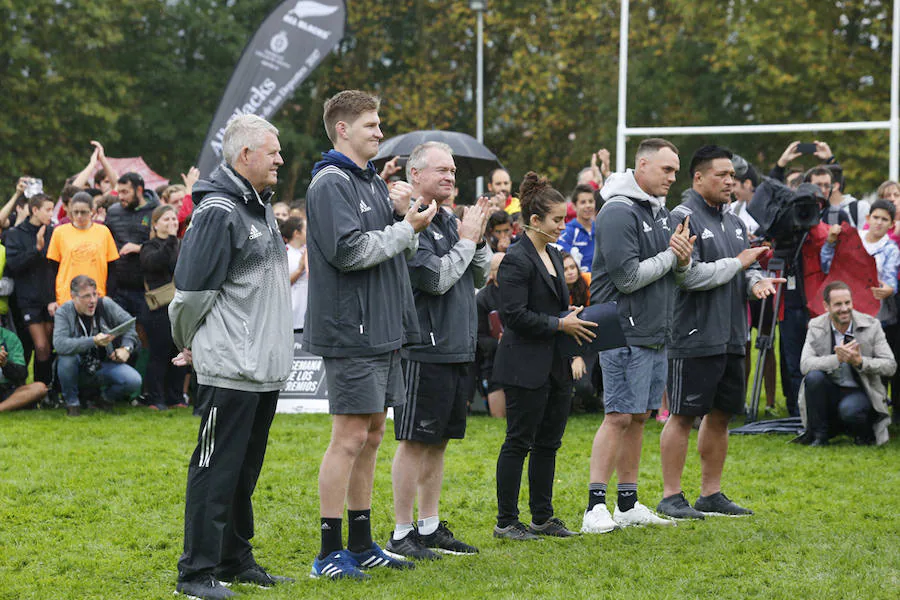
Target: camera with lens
{"points": [[90, 363], [783, 213]]}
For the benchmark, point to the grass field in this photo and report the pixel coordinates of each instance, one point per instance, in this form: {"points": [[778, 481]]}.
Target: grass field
{"points": [[92, 508]]}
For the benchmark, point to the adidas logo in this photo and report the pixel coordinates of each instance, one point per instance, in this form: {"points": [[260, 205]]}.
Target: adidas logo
{"points": [[647, 228], [361, 518], [254, 232], [597, 493], [437, 236], [326, 527], [363, 207], [626, 494], [706, 234]]}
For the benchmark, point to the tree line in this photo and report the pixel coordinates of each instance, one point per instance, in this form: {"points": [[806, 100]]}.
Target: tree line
{"points": [[146, 76]]}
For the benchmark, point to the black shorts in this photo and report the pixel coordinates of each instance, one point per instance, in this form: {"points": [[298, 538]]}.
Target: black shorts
{"points": [[699, 384], [35, 314], [437, 397]]}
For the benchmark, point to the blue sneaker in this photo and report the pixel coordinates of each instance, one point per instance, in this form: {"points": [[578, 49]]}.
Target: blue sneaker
{"points": [[340, 564], [375, 557]]}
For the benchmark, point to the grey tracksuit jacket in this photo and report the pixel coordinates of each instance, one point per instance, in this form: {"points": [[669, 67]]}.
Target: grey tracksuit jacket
{"points": [[232, 302], [360, 299], [633, 264]]}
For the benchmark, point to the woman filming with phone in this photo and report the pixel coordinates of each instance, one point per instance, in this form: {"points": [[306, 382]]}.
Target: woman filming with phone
{"points": [[529, 364]]}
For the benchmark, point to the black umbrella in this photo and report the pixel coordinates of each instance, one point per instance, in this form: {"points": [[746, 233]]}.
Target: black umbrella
{"points": [[468, 153]]}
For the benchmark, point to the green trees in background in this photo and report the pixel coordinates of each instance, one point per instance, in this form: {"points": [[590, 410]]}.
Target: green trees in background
{"points": [[145, 77]]}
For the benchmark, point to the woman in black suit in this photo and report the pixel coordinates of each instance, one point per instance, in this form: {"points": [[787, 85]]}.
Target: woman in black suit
{"points": [[529, 365]]}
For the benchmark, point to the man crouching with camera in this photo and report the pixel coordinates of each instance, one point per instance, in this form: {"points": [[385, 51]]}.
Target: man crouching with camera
{"points": [[844, 358], [88, 355]]}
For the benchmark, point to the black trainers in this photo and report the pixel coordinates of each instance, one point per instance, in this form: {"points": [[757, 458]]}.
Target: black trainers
{"points": [[677, 507], [204, 588], [255, 575], [442, 540], [554, 527], [409, 547], [517, 532], [718, 505]]}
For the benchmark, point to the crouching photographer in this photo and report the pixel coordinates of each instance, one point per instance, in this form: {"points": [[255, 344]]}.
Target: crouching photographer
{"points": [[91, 348]]}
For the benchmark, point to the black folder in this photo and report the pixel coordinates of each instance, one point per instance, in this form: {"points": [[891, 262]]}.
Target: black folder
{"points": [[608, 330]]}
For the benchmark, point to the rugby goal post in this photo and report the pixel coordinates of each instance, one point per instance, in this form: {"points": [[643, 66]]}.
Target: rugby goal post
{"points": [[623, 131]]}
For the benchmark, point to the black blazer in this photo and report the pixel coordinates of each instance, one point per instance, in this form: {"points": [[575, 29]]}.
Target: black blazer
{"points": [[530, 302]]}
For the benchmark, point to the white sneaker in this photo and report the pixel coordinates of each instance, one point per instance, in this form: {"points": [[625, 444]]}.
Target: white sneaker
{"points": [[639, 516], [598, 520]]}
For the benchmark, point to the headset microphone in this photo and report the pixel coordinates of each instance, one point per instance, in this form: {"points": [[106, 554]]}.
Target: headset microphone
{"points": [[540, 231]]}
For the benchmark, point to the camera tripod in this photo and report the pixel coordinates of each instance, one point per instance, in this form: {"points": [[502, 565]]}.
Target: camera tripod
{"points": [[765, 340]]}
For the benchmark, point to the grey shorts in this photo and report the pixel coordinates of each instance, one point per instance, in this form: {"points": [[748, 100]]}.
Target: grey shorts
{"points": [[634, 379], [364, 385]]}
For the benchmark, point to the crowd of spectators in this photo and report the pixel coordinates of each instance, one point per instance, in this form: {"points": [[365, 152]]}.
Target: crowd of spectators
{"points": [[119, 241], [86, 281]]}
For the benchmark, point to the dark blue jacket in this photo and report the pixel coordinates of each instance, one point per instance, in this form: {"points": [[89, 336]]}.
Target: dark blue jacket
{"points": [[361, 301]]}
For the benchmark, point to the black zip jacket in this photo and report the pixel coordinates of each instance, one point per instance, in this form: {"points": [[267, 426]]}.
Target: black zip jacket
{"points": [[158, 259], [34, 275], [130, 225], [711, 303], [445, 273]]}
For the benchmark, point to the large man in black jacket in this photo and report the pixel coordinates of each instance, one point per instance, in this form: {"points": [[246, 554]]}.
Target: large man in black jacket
{"points": [[706, 354], [452, 261], [360, 313], [129, 223]]}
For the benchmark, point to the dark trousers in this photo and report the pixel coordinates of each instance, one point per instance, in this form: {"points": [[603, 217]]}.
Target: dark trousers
{"points": [[832, 410], [535, 423], [164, 382], [793, 335], [892, 333], [218, 513]]}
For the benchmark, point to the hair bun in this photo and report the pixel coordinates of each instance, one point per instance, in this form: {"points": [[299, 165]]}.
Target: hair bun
{"points": [[532, 184]]}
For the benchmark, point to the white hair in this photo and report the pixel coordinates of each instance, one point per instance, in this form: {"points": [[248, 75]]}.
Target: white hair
{"points": [[417, 160], [244, 131]]}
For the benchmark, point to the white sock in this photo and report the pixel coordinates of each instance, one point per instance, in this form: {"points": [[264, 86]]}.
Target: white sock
{"points": [[401, 530], [429, 525]]}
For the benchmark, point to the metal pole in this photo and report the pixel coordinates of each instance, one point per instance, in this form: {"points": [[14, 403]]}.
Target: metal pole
{"points": [[770, 128], [623, 85], [479, 96], [895, 94]]}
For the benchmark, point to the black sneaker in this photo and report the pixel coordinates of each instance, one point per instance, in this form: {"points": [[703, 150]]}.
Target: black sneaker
{"points": [[409, 547], [442, 540], [255, 575], [718, 505], [205, 588], [677, 507], [554, 527], [517, 532]]}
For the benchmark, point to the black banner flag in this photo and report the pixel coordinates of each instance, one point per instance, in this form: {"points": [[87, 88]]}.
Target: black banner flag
{"points": [[289, 44]]}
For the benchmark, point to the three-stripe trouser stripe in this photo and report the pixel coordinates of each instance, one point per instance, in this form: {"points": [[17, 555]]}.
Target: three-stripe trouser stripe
{"points": [[208, 438]]}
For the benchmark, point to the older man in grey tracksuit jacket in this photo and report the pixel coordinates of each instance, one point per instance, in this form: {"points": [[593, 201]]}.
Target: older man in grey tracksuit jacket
{"points": [[232, 310]]}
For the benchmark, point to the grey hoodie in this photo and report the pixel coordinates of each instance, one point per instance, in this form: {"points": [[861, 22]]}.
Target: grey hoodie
{"points": [[232, 302], [633, 264]]}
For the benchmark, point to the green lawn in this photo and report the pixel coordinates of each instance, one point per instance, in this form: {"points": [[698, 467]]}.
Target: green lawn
{"points": [[92, 508]]}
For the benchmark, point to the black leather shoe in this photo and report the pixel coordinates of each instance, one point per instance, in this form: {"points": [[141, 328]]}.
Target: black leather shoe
{"points": [[819, 442]]}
